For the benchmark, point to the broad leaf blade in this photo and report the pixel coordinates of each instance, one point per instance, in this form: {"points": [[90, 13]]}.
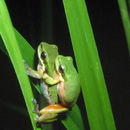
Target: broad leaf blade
{"points": [[92, 80]]}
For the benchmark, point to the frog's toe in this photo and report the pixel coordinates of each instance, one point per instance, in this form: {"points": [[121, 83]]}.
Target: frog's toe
{"points": [[36, 106], [36, 119], [26, 65]]}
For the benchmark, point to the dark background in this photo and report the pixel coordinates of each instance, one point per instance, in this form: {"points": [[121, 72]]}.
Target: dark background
{"points": [[33, 20]]}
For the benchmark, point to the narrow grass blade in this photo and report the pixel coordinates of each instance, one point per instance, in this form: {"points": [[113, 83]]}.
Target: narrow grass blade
{"points": [[11, 43], [73, 119], [92, 80], [125, 19], [28, 55], [10, 39], [2, 47]]}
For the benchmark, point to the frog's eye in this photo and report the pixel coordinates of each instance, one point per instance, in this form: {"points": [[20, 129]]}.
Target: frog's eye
{"points": [[41, 46], [61, 68], [43, 55]]}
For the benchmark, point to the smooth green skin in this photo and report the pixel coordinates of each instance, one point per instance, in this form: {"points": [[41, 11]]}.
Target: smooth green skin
{"points": [[46, 64], [68, 96], [51, 63], [69, 79], [69, 76], [50, 93], [51, 52]]}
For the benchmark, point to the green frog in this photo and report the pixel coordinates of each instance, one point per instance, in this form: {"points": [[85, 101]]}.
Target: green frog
{"points": [[59, 78]]}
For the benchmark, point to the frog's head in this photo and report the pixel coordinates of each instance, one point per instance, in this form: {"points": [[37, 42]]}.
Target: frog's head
{"points": [[47, 54], [64, 65], [42, 55]]}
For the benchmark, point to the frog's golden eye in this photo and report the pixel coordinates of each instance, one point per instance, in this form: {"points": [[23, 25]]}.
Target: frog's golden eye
{"points": [[43, 55], [61, 68]]}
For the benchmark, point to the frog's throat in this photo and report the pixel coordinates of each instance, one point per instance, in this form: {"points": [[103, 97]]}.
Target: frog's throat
{"points": [[61, 93]]}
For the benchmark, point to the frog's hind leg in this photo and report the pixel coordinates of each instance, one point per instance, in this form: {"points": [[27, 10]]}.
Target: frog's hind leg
{"points": [[36, 107], [46, 118], [45, 92]]}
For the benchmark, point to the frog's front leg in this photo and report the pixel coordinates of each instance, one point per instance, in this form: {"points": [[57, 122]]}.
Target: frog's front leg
{"points": [[49, 80], [33, 73], [39, 74]]}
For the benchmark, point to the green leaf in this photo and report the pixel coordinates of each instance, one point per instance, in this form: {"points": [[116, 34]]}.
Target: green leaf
{"points": [[18, 49], [73, 120], [92, 80], [11, 43], [125, 19]]}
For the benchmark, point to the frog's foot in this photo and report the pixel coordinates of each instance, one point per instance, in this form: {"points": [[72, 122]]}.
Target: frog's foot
{"points": [[50, 113], [46, 118], [54, 108], [36, 106]]}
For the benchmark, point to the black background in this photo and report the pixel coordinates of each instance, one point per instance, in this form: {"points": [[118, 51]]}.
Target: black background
{"points": [[28, 17]]}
